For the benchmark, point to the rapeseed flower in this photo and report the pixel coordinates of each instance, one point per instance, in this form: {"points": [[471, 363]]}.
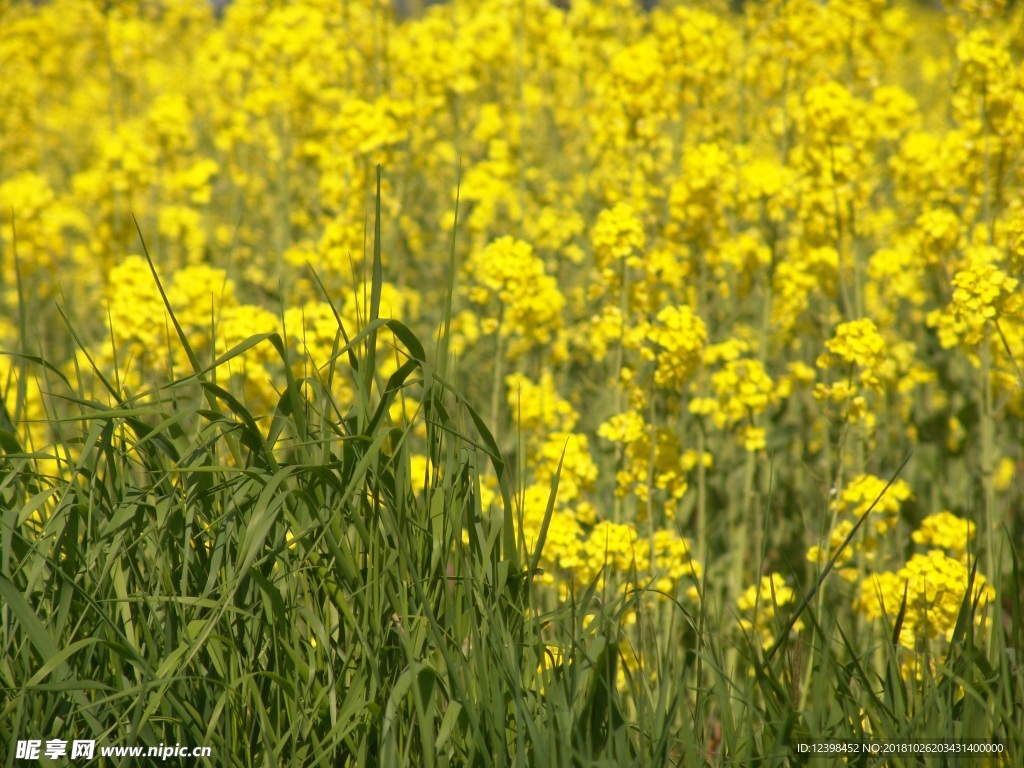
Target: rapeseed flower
{"points": [[508, 277], [945, 530], [759, 608], [935, 586], [678, 336]]}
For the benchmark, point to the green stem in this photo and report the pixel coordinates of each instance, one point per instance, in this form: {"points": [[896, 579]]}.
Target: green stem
{"points": [[499, 372], [988, 455], [702, 517], [619, 360], [650, 477]]}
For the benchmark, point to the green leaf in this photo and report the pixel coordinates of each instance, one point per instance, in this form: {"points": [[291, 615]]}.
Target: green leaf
{"points": [[26, 616]]}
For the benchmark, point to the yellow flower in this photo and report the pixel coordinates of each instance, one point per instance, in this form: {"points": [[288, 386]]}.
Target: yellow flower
{"points": [[679, 336], [507, 273], [982, 292], [759, 606], [618, 234], [1005, 472], [935, 586], [946, 531]]}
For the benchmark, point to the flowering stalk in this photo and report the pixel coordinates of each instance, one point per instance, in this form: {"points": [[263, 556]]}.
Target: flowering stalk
{"points": [[987, 463]]}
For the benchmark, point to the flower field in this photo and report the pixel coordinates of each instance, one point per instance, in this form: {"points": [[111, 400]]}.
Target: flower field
{"points": [[512, 384]]}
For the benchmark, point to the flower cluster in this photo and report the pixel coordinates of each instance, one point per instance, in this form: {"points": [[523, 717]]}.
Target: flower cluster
{"points": [[678, 336], [524, 303], [983, 292], [864, 495], [618, 235], [742, 391], [760, 605], [930, 589], [653, 461]]}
